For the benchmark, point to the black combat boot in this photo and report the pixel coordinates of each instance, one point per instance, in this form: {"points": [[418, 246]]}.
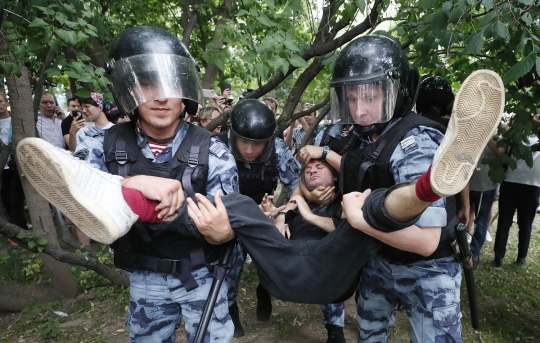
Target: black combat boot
{"points": [[235, 316], [264, 304], [335, 334]]}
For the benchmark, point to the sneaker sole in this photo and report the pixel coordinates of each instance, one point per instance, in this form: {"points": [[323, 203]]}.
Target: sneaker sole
{"points": [[477, 112], [45, 172]]}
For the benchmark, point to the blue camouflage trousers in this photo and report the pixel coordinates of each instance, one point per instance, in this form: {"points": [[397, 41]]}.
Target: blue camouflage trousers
{"points": [[428, 290], [334, 314], [158, 302]]}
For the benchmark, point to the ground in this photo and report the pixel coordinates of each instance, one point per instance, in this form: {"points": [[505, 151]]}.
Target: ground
{"points": [[509, 305]]}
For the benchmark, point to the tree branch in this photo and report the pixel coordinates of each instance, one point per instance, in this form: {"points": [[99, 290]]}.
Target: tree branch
{"points": [[38, 87]]}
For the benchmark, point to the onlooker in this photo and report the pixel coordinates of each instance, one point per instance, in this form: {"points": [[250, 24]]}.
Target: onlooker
{"points": [[12, 192], [73, 105], [49, 125], [519, 192], [206, 115], [481, 195], [273, 103]]}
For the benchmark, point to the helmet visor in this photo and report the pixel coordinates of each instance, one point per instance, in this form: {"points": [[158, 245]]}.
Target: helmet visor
{"points": [[365, 103], [250, 150], [143, 78]]}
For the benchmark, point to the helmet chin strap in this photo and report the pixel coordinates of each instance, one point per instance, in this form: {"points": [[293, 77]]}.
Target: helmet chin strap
{"points": [[163, 140], [374, 129]]}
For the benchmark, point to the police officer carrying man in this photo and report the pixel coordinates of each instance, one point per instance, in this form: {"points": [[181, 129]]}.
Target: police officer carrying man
{"points": [[373, 86], [155, 82], [262, 159]]}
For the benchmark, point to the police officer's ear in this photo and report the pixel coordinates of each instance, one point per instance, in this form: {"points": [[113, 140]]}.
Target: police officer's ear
{"points": [[413, 82]]}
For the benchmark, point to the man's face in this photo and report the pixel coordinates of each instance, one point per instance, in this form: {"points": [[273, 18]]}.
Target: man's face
{"points": [[310, 118], [160, 114], [205, 122], [250, 150], [365, 103], [3, 106], [272, 105], [318, 174], [74, 105], [47, 105]]}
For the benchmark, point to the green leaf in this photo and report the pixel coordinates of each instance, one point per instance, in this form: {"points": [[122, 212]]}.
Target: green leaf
{"points": [[527, 18], [527, 2], [73, 74], [361, 4], [537, 65], [70, 37], [4, 258], [241, 13], [501, 30], [488, 4], [53, 43], [31, 244], [37, 22], [40, 249], [429, 4], [61, 18], [447, 7], [298, 61], [259, 67], [82, 56], [42, 241], [249, 56], [520, 68], [330, 58], [46, 10], [439, 21], [83, 92], [70, 8], [34, 44], [291, 44], [54, 71], [263, 19], [270, 3], [487, 19], [474, 44], [91, 32]]}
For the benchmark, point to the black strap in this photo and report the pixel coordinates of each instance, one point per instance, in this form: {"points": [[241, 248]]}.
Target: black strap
{"points": [[121, 158], [182, 268], [192, 164], [326, 136]]}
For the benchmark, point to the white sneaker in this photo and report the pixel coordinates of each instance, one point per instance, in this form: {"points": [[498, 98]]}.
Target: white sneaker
{"points": [[488, 237], [477, 112], [92, 199]]}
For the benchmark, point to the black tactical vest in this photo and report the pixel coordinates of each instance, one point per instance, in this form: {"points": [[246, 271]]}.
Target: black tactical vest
{"points": [[260, 179], [342, 144], [189, 165], [370, 168]]}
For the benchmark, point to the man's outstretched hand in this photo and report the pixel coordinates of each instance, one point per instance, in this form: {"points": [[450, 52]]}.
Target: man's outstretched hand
{"points": [[352, 208], [211, 221]]}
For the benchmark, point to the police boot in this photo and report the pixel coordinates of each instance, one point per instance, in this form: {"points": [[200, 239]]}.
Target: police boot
{"points": [[335, 334], [235, 316], [264, 304]]}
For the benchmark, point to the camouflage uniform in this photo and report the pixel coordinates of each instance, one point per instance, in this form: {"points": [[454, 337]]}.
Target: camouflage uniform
{"points": [[158, 301], [429, 290], [334, 314], [288, 169]]}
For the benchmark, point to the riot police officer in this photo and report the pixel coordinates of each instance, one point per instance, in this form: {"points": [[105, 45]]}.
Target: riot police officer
{"points": [[262, 159], [155, 82], [435, 99]]}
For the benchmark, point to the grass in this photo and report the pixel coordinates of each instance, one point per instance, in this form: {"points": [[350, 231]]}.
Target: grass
{"points": [[508, 301]]}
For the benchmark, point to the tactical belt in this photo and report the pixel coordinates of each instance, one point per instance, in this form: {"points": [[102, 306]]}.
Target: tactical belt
{"points": [[182, 267], [439, 253]]}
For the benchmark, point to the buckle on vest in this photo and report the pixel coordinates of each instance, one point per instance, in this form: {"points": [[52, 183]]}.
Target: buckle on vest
{"points": [[168, 266], [193, 161], [121, 157]]}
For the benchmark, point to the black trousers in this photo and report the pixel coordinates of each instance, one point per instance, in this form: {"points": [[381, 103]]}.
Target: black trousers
{"points": [[317, 272], [524, 199], [13, 196]]}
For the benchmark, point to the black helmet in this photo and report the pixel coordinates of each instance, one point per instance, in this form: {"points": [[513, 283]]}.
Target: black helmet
{"points": [[252, 124], [371, 83], [435, 91], [148, 63]]}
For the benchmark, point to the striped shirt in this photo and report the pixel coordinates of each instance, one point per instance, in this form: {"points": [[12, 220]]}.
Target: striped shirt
{"points": [[157, 147]]}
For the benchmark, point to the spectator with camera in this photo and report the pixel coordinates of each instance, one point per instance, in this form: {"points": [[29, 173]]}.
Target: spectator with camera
{"points": [[73, 122]]}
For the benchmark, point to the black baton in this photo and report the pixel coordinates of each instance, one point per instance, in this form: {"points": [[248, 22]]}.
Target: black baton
{"points": [[221, 267], [465, 257]]}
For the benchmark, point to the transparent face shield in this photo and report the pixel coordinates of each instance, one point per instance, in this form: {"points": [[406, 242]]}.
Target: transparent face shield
{"points": [[250, 150], [364, 104], [139, 79]]}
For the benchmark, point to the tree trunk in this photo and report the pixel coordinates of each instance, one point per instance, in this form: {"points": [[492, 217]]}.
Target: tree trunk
{"points": [[24, 126], [211, 70], [16, 296]]}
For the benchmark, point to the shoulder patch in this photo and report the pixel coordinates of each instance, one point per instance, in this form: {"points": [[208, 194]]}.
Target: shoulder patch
{"points": [[293, 165], [218, 149], [407, 142]]}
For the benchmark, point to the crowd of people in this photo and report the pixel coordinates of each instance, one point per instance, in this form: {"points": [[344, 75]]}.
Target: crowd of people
{"points": [[376, 182]]}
